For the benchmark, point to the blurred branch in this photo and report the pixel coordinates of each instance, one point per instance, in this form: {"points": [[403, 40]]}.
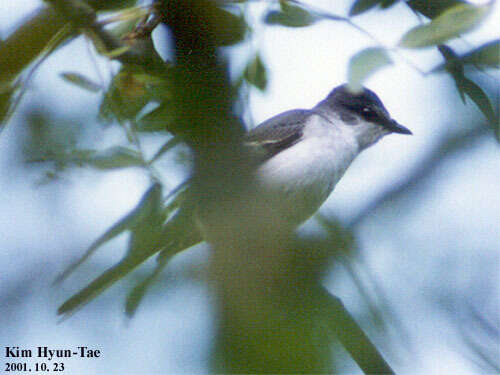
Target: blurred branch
{"points": [[423, 171]]}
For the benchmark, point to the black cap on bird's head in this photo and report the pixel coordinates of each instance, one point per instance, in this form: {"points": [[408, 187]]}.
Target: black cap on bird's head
{"points": [[364, 103]]}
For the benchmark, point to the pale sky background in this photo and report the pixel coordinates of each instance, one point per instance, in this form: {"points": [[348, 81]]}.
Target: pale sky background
{"points": [[43, 228]]}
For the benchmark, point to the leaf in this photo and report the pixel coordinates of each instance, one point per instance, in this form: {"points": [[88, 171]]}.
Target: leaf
{"points": [[255, 73], [7, 96], [229, 28], [129, 221], [179, 233], [290, 15], [34, 38], [116, 157], [171, 143], [149, 235], [361, 6], [351, 336], [127, 95], [366, 63], [113, 53], [432, 9], [136, 295], [161, 118], [144, 242], [488, 54], [111, 5], [453, 66], [479, 97], [465, 86], [384, 4], [81, 81], [450, 24]]}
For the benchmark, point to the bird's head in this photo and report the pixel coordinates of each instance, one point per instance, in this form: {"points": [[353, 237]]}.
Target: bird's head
{"points": [[361, 113]]}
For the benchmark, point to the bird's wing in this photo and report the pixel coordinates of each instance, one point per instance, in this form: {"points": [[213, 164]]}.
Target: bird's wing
{"points": [[278, 133]]}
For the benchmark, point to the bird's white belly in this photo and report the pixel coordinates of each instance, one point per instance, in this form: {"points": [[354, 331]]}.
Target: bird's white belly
{"points": [[298, 180]]}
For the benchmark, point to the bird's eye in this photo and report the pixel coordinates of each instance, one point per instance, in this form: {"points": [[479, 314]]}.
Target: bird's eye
{"points": [[368, 113]]}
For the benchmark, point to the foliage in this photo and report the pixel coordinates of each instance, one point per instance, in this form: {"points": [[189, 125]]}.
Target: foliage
{"points": [[187, 100]]}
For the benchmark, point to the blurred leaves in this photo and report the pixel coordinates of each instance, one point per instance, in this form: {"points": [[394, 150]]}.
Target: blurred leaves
{"points": [[129, 221], [361, 6], [432, 8], [465, 86], [65, 156], [255, 73], [229, 28], [365, 63], [115, 157], [487, 56], [160, 118], [145, 225], [148, 94], [179, 233], [450, 24], [81, 81], [110, 5], [28, 43], [7, 97], [49, 139], [290, 15], [152, 229], [129, 92]]}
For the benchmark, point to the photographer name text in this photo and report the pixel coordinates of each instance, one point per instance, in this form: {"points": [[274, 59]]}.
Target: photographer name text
{"points": [[50, 353]]}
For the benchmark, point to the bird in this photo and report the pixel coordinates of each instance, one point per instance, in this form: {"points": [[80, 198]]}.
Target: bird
{"points": [[307, 151], [299, 157]]}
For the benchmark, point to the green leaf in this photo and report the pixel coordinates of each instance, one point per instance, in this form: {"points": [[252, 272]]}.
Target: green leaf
{"points": [[178, 234], [149, 235], [351, 336], [384, 4], [113, 53], [479, 97], [453, 66], [111, 4], [7, 95], [450, 24], [361, 6], [255, 73], [229, 28], [127, 95], [81, 81], [136, 295], [290, 15], [129, 221], [434, 8], [465, 86], [171, 143], [366, 63], [488, 54], [116, 157], [145, 237], [161, 118]]}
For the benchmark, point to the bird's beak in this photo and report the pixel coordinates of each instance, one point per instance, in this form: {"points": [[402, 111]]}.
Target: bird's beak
{"points": [[395, 127]]}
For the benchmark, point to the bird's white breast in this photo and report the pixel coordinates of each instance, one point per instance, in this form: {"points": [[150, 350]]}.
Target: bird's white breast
{"points": [[299, 179]]}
